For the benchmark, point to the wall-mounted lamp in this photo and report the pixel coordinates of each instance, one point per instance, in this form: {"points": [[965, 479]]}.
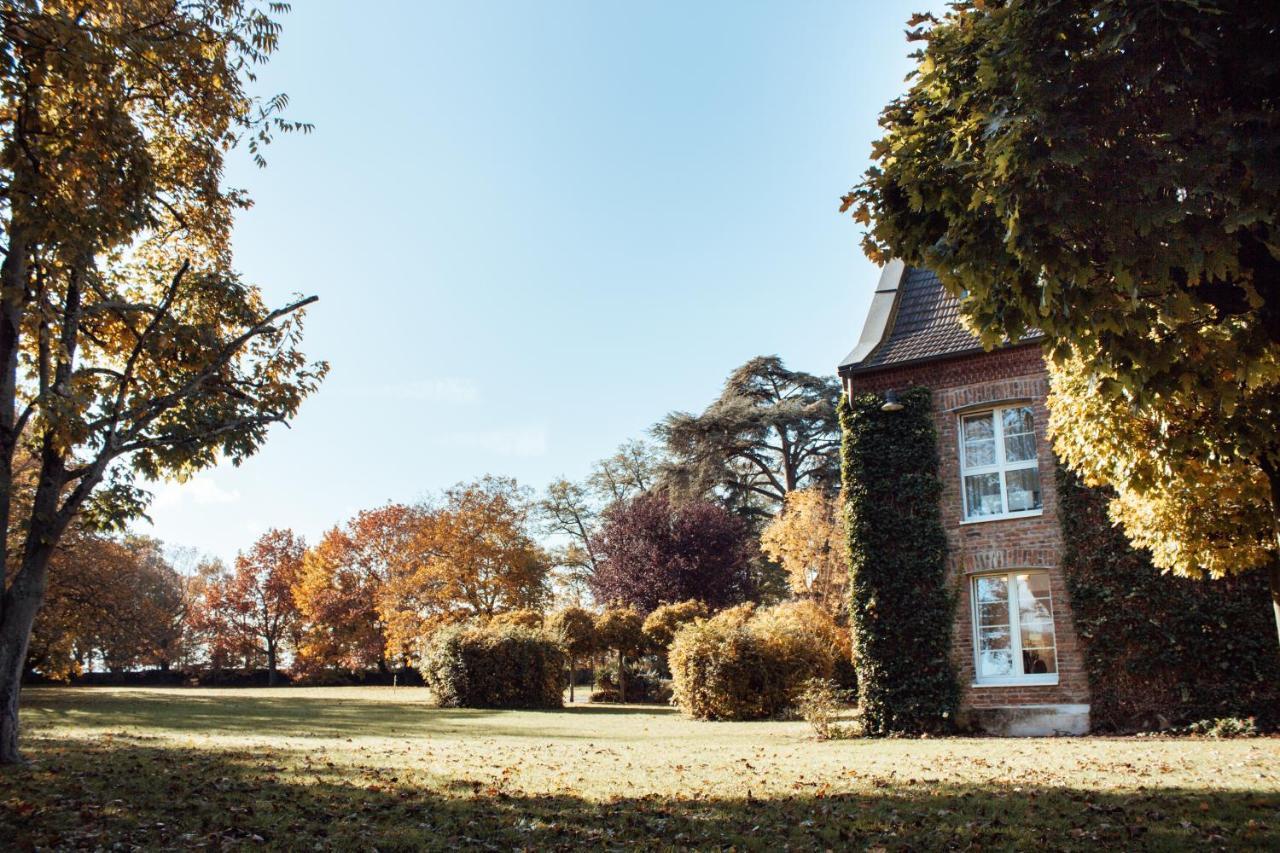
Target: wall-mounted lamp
{"points": [[891, 403]]}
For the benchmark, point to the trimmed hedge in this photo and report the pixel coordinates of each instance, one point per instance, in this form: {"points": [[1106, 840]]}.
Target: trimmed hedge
{"points": [[744, 664], [1161, 650], [900, 609], [493, 666]]}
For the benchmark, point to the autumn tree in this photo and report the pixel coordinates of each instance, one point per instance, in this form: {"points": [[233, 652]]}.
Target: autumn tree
{"points": [[575, 630], [475, 557], [257, 599], [654, 552], [771, 431], [621, 629], [1105, 172], [807, 540], [342, 589], [128, 346], [572, 511]]}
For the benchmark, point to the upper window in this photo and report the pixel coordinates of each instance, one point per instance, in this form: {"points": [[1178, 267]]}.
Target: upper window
{"points": [[998, 464], [1013, 624]]}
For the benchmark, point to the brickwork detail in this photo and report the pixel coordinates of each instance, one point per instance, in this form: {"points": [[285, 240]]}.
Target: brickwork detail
{"points": [[971, 382]]}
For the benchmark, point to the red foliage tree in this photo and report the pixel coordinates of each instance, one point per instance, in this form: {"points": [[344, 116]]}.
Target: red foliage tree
{"points": [[254, 607], [654, 552]]}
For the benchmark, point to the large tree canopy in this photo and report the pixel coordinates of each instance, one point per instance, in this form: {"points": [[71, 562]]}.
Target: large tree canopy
{"points": [[771, 431], [1108, 171], [127, 342]]}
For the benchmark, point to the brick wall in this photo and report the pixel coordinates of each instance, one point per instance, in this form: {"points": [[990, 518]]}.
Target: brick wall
{"points": [[1010, 375]]}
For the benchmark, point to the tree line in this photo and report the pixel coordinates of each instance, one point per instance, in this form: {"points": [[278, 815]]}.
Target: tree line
{"points": [[682, 518]]}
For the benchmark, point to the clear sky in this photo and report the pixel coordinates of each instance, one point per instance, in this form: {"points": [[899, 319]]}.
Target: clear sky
{"points": [[535, 228]]}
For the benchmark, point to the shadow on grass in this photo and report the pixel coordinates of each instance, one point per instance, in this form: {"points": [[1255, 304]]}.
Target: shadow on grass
{"points": [[646, 710], [129, 794]]}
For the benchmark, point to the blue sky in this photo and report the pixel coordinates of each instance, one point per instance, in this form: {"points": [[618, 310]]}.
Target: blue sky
{"points": [[535, 228]]}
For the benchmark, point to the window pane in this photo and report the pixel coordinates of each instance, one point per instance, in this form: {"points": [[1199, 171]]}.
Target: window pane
{"points": [[982, 495], [1017, 421], [993, 590], [1033, 584], [1019, 448], [1039, 661], [993, 614], [979, 434], [995, 664], [1023, 486]]}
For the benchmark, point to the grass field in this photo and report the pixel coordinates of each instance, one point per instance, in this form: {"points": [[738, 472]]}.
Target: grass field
{"points": [[362, 768]]}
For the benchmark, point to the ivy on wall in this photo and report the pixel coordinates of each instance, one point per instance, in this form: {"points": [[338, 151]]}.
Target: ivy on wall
{"points": [[1162, 650], [900, 607]]}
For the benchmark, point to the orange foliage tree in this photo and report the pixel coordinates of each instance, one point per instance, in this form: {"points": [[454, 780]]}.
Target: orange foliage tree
{"points": [[341, 591], [252, 611]]}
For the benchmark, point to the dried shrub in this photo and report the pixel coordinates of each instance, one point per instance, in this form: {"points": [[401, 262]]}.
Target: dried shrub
{"points": [[749, 664], [493, 666]]}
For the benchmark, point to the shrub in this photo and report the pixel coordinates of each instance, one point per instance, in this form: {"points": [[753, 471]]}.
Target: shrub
{"points": [[661, 625], [1225, 727], [748, 664], [900, 607], [820, 703], [493, 666], [522, 617]]}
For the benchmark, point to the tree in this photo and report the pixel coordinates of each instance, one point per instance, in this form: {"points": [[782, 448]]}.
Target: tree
{"points": [[653, 552], [631, 470], [128, 346], [807, 539], [1105, 172], [257, 600], [342, 590], [472, 558], [575, 630], [771, 431], [621, 629]]}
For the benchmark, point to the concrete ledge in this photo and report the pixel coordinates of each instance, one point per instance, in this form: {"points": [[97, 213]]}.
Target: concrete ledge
{"points": [[1027, 720]]}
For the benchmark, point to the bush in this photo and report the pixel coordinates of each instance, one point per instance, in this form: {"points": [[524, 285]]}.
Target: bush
{"points": [[1225, 727], [900, 607], [493, 666], [820, 703], [749, 664], [524, 618], [661, 625]]}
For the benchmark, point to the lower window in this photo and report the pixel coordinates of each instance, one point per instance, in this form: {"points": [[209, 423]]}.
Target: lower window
{"points": [[1013, 629]]}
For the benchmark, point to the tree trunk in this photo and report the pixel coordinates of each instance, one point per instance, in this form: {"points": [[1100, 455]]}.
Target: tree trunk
{"points": [[1273, 478], [271, 664], [572, 673], [622, 677], [22, 600]]}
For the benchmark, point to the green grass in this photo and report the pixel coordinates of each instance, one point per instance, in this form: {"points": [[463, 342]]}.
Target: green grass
{"points": [[358, 768]]}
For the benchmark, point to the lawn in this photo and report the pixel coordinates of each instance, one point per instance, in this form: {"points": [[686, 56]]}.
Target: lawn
{"points": [[379, 768]]}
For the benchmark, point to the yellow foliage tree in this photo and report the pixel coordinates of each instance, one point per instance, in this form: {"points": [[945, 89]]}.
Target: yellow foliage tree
{"points": [[807, 538]]}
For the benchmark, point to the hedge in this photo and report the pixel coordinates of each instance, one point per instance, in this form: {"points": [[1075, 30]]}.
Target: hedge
{"points": [[744, 664], [493, 666], [900, 608], [1161, 650]]}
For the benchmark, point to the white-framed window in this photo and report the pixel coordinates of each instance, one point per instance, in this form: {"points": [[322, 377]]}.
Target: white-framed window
{"points": [[1013, 636], [999, 469]]}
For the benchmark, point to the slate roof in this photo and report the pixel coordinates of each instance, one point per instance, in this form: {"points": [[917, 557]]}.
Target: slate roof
{"points": [[924, 326]]}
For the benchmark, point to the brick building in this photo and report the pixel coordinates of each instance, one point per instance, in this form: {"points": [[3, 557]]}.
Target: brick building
{"points": [[1019, 661]]}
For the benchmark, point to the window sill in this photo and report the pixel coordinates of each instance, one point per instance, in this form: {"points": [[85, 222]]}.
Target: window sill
{"points": [[1010, 516], [1041, 681]]}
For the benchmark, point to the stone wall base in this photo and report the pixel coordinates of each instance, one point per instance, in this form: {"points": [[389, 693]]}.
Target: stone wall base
{"points": [[1027, 720]]}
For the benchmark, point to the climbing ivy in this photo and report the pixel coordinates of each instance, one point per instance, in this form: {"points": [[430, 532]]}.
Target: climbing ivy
{"points": [[901, 609], [1161, 650]]}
